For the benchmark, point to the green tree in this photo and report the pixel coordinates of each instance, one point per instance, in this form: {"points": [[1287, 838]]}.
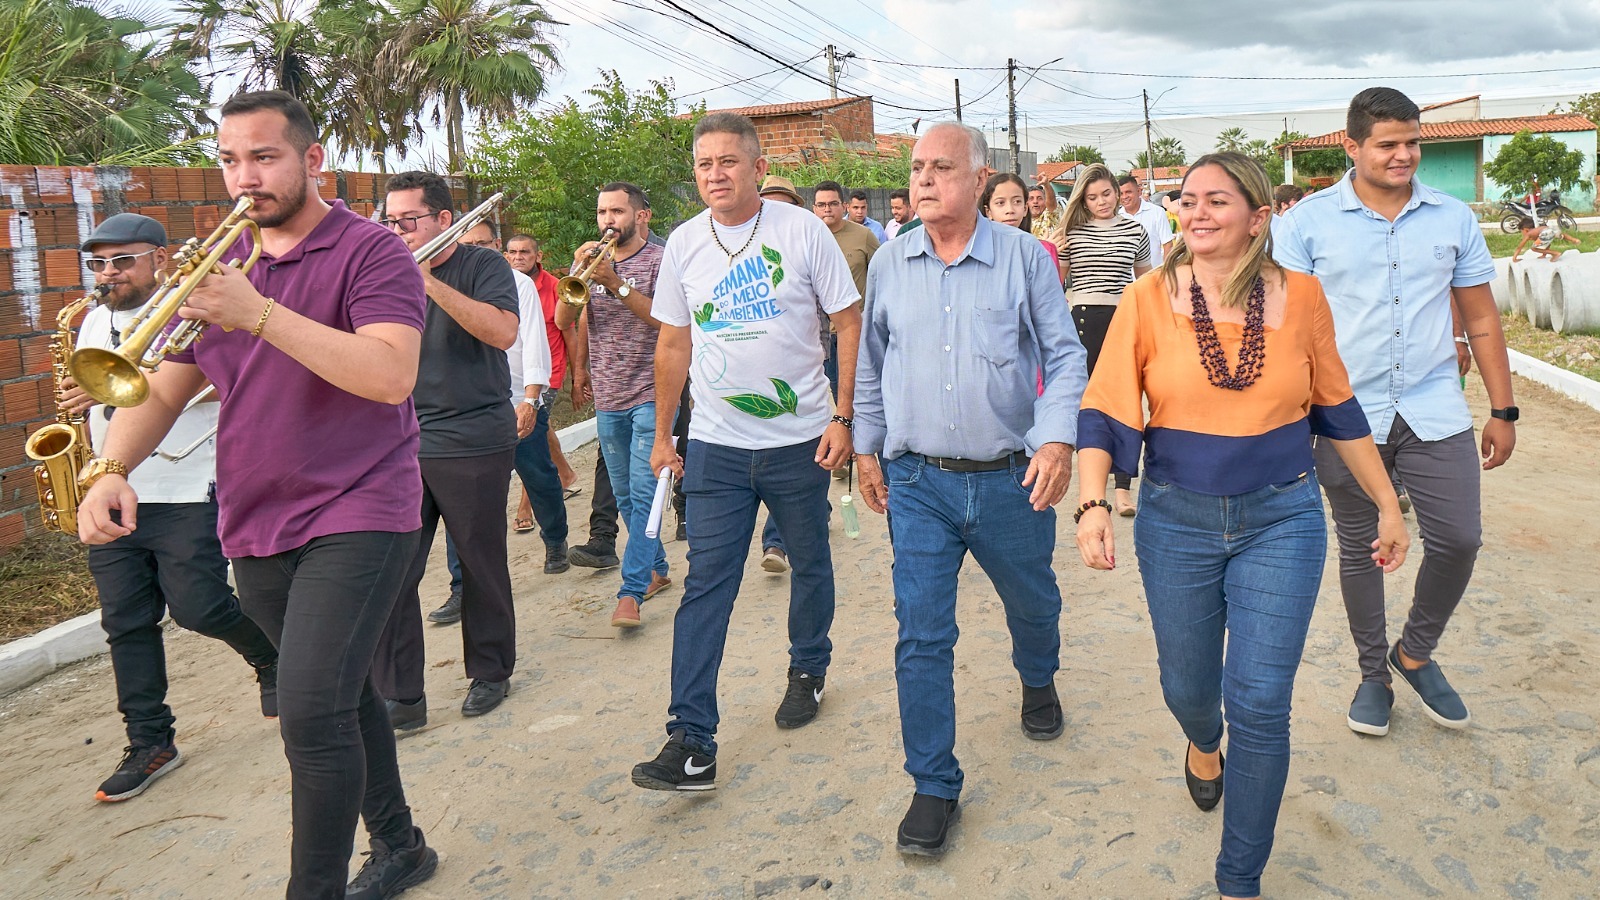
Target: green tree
{"points": [[1587, 105], [266, 44], [552, 165], [852, 169], [1077, 153], [1168, 152], [486, 57], [79, 87], [1331, 161], [1233, 140], [1526, 157]]}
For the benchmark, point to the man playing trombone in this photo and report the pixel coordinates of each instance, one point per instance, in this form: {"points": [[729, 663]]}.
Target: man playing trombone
{"points": [[317, 482]]}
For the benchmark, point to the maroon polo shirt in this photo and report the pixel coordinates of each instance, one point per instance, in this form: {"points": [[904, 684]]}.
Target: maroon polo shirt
{"points": [[298, 458]]}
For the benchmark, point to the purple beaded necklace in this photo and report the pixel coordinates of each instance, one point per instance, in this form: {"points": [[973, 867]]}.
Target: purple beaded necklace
{"points": [[1252, 350]]}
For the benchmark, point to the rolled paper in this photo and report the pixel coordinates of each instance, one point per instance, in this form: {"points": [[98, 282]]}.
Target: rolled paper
{"points": [[658, 506]]}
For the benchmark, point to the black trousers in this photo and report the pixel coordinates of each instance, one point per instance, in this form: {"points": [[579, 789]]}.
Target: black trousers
{"points": [[324, 606], [470, 494], [1093, 320], [173, 562]]}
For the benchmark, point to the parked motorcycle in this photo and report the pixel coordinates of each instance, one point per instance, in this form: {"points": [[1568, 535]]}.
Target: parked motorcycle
{"points": [[1548, 207]]}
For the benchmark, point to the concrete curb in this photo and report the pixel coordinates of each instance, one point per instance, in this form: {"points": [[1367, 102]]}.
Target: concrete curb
{"points": [[1556, 378], [26, 660]]}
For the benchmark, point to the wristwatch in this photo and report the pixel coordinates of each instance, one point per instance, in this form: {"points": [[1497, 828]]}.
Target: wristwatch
{"points": [[625, 291], [98, 468], [1510, 413]]}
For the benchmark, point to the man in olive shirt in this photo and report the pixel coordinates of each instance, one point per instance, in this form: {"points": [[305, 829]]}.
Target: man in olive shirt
{"points": [[856, 241]]}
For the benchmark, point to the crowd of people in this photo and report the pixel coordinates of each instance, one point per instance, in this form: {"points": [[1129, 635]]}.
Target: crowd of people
{"points": [[377, 377]]}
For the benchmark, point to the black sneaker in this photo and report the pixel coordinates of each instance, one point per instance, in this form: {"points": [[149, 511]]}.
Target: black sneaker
{"points": [[267, 677], [139, 767], [450, 612], [594, 556], [1041, 713], [389, 872], [556, 559], [677, 768], [801, 700], [926, 827]]}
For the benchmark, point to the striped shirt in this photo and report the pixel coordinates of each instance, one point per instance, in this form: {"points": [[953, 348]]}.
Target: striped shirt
{"points": [[1100, 258]]}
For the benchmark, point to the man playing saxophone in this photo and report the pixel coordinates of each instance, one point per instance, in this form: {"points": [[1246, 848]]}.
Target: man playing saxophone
{"points": [[174, 562], [317, 481]]}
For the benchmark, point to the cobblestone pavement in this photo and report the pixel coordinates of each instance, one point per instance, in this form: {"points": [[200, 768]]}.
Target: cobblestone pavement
{"points": [[534, 799]]}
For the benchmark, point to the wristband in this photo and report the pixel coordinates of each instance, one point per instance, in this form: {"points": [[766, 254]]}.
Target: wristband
{"points": [[1088, 506], [262, 322], [846, 421]]}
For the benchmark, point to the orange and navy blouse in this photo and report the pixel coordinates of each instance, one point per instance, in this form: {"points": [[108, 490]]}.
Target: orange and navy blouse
{"points": [[1209, 439]]}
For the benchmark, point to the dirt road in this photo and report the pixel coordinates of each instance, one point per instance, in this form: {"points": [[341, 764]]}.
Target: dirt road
{"points": [[534, 800]]}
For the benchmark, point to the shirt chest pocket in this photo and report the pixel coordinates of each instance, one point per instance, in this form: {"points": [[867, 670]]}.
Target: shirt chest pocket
{"points": [[995, 334]]}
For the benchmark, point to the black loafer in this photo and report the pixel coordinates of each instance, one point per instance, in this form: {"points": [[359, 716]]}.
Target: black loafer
{"points": [[926, 827], [1205, 794], [1041, 713], [484, 696]]}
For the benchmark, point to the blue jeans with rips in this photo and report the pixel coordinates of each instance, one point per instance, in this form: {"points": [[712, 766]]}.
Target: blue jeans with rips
{"points": [[1239, 573], [626, 438], [936, 519], [724, 486]]}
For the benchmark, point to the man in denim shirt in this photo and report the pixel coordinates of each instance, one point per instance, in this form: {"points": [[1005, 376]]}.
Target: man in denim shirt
{"points": [[1391, 254], [960, 318]]}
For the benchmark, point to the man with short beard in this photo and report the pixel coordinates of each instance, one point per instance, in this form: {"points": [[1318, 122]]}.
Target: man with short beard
{"points": [[900, 212], [174, 562]]}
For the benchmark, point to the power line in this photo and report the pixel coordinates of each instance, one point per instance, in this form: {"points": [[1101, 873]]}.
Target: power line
{"points": [[1074, 71]]}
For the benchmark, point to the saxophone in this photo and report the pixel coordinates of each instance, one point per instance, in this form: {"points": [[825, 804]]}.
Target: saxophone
{"points": [[62, 448]]}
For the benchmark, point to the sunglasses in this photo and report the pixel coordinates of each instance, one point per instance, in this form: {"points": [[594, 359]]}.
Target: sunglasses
{"points": [[97, 264], [406, 224]]}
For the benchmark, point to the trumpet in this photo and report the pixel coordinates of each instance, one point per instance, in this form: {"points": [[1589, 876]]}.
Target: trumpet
{"points": [[457, 228], [574, 289], [116, 377]]}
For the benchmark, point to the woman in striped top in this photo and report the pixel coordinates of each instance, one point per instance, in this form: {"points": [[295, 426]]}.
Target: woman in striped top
{"points": [[1100, 253], [1230, 536]]}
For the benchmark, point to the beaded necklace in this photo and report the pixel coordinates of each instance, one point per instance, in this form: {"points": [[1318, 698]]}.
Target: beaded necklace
{"points": [[1252, 350], [711, 220]]}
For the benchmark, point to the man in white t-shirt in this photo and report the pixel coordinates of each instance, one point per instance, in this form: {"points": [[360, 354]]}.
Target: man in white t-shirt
{"points": [[737, 298], [1150, 215], [173, 562]]}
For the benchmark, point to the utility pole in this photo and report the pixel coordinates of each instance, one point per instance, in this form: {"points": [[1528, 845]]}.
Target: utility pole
{"points": [[1011, 92], [1149, 148], [958, 99], [833, 74]]}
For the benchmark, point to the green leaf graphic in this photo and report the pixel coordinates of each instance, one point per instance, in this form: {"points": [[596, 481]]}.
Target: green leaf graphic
{"points": [[777, 276], [771, 255], [704, 314], [761, 407], [786, 395]]}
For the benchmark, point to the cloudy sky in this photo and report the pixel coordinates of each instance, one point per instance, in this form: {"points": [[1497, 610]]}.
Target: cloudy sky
{"points": [[1207, 66]]}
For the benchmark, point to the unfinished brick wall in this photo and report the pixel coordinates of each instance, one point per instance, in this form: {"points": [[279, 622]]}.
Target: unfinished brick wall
{"points": [[45, 213], [783, 136]]}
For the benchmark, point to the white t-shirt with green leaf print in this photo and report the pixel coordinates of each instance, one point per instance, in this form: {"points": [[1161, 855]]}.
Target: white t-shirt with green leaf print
{"points": [[756, 370]]}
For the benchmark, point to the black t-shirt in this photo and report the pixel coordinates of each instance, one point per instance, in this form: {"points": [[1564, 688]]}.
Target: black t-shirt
{"points": [[463, 393]]}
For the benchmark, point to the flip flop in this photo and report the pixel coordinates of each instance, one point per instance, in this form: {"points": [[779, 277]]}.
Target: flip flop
{"points": [[522, 526], [571, 492]]}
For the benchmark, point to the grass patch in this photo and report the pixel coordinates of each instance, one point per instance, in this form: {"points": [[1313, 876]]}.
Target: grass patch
{"points": [[44, 581], [1501, 244], [1578, 353]]}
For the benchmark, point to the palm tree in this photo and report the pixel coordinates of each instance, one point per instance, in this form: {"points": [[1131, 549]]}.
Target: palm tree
{"points": [[455, 56], [270, 44], [1233, 140], [78, 87]]}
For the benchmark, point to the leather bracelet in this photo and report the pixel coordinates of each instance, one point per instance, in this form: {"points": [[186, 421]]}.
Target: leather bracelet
{"points": [[1088, 506], [845, 421], [262, 322]]}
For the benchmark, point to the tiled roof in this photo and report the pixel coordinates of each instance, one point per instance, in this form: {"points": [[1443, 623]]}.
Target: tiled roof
{"points": [[1162, 173], [789, 109], [892, 144], [1473, 128], [1055, 170]]}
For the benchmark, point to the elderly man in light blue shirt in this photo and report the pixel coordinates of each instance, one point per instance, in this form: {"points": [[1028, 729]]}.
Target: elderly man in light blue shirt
{"points": [[1392, 253], [961, 316]]}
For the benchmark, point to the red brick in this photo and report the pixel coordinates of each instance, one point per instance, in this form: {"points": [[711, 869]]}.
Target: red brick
{"points": [[19, 176], [10, 359], [55, 184], [63, 268], [12, 439], [138, 187], [12, 530], [21, 401], [36, 354]]}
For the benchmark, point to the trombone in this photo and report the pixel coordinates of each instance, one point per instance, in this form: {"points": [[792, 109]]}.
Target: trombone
{"points": [[116, 377], [457, 228], [209, 393], [574, 288]]}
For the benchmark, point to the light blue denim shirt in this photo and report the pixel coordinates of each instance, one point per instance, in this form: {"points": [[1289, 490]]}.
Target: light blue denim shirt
{"points": [[1389, 286], [951, 354]]}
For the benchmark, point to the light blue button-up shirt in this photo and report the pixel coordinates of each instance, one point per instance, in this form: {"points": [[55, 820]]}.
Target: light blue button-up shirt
{"points": [[951, 354], [1389, 286]]}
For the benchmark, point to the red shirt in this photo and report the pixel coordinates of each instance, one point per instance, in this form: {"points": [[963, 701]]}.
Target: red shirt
{"points": [[546, 283]]}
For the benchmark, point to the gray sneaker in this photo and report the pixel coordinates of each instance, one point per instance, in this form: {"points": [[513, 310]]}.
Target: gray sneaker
{"points": [[1369, 711], [1439, 700]]}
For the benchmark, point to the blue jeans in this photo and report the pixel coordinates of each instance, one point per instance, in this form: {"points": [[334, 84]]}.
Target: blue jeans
{"points": [[626, 438], [937, 517], [1239, 572], [724, 486]]}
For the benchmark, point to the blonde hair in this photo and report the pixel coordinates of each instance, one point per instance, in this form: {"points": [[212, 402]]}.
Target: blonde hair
{"points": [[1251, 180], [1077, 211]]}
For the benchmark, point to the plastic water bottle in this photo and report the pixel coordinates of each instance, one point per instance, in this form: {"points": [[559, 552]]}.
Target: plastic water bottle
{"points": [[852, 522]]}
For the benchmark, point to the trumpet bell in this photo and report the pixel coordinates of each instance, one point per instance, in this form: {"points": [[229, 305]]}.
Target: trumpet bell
{"points": [[573, 291], [109, 377]]}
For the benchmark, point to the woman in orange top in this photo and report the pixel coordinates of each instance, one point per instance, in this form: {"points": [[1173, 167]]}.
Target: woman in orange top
{"points": [[1230, 535]]}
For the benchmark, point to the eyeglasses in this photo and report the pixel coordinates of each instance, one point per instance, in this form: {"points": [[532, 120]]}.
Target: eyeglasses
{"points": [[826, 205], [97, 264], [406, 224]]}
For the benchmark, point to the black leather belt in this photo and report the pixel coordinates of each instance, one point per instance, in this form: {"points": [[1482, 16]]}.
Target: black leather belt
{"points": [[949, 464]]}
